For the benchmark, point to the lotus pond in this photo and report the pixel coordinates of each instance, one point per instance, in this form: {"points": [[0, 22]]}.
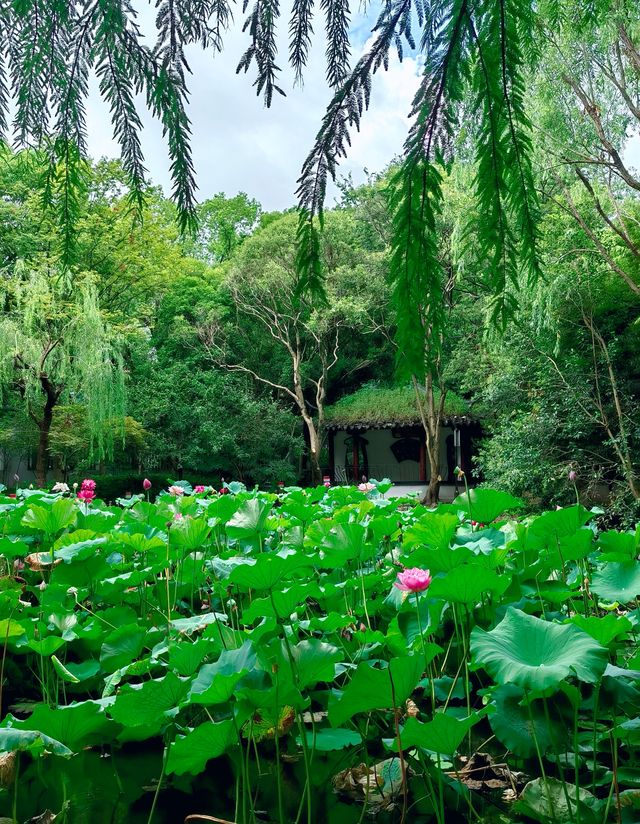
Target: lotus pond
{"points": [[247, 657]]}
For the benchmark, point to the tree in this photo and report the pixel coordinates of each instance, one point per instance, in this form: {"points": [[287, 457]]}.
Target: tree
{"points": [[472, 47], [55, 343], [223, 223], [586, 108], [280, 338], [199, 419]]}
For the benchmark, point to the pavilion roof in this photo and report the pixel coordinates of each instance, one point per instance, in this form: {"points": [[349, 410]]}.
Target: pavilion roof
{"points": [[380, 407]]}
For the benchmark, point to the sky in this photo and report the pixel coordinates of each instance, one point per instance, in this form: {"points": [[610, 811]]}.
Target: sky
{"points": [[239, 145]]}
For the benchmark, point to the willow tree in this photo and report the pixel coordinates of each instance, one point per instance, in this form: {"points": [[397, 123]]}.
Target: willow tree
{"points": [[55, 347], [476, 54]]}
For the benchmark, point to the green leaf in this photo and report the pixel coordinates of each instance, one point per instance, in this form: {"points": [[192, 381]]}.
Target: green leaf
{"points": [[215, 683], [281, 604], [190, 753], [63, 672], [559, 523], [617, 582], [186, 656], [189, 533], [121, 646], [432, 530], [79, 544], [148, 703], [53, 519], [10, 629], [267, 570], [549, 800], [537, 654], [326, 740], [75, 725], [33, 741], [467, 584], [315, 661], [485, 505], [248, 521], [605, 629], [518, 727], [442, 735], [619, 546], [371, 688]]}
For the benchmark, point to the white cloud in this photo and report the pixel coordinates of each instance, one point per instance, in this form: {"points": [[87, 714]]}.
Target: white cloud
{"points": [[239, 145]]}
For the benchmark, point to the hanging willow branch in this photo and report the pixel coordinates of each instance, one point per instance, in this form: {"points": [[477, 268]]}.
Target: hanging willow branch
{"points": [[474, 51]]}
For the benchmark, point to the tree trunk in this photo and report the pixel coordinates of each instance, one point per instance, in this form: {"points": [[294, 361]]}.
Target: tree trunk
{"points": [[44, 427], [431, 414], [314, 452], [432, 495]]}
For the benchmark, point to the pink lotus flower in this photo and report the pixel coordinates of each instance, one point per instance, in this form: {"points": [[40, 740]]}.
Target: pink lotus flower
{"points": [[413, 580], [199, 489], [366, 487], [89, 483], [176, 490], [178, 516], [86, 495], [146, 484], [572, 476]]}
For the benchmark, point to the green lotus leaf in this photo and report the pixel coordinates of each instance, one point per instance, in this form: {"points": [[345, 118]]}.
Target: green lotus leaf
{"points": [[342, 543], [432, 530], [33, 741], [189, 753], [328, 739], [281, 603], [619, 546], [485, 505], [75, 725], [185, 656], [146, 703], [248, 521], [537, 654], [80, 544], [442, 735], [189, 533], [315, 661], [605, 629], [51, 520], [617, 582], [467, 584], [518, 726], [121, 646], [216, 682], [549, 800], [267, 571], [373, 688], [559, 523]]}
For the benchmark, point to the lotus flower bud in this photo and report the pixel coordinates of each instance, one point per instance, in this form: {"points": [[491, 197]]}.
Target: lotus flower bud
{"points": [[146, 484]]}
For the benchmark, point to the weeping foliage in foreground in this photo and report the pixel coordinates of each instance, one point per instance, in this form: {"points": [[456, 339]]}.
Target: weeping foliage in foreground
{"points": [[475, 54]]}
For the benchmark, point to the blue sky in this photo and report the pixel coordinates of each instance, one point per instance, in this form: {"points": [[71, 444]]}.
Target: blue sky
{"points": [[239, 145]]}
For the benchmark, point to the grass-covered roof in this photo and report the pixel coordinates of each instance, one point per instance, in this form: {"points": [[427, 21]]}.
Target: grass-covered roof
{"points": [[381, 406]]}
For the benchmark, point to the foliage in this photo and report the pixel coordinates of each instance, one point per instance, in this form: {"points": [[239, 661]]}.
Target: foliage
{"points": [[374, 404], [226, 628]]}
